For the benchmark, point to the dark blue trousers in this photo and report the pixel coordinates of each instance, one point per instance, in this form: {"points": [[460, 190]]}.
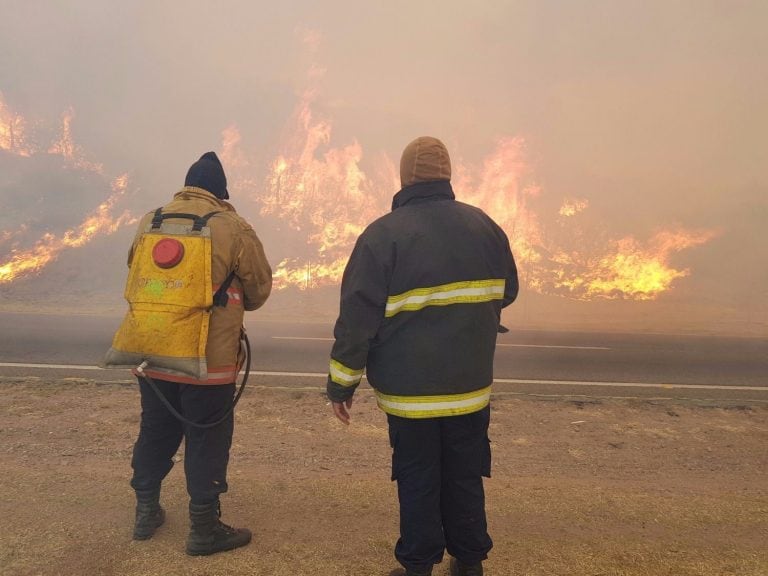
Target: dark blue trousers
{"points": [[206, 451], [439, 464]]}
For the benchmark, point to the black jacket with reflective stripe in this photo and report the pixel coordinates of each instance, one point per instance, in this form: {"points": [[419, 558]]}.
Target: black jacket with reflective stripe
{"points": [[446, 270]]}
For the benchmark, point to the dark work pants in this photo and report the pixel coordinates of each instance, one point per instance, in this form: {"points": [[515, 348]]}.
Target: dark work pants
{"points": [[206, 449], [439, 464]]}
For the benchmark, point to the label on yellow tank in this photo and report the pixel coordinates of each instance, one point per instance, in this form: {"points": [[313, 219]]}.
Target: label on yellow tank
{"points": [[186, 284]]}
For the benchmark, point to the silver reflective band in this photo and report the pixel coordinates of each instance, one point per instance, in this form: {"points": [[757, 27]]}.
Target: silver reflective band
{"points": [[467, 292], [344, 376]]}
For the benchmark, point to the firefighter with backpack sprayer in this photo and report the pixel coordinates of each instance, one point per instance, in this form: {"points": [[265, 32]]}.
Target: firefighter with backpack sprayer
{"points": [[195, 267]]}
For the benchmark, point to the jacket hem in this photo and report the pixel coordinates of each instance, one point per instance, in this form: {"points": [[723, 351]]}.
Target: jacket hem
{"points": [[219, 376], [434, 406]]}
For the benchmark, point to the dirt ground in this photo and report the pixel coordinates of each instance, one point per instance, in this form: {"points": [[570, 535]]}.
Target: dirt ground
{"points": [[580, 487]]}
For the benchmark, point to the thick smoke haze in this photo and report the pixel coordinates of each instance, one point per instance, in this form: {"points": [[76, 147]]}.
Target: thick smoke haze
{"points": [[644, 117]]}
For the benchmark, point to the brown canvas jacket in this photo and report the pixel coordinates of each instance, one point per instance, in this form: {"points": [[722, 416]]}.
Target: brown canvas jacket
{"points": [[235, 247]]}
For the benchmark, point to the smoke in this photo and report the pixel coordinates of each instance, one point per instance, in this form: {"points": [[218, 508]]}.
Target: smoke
{"points": [[652, 117]]}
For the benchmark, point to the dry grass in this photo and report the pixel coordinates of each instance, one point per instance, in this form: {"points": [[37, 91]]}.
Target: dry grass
{"points": [[612, 489]]}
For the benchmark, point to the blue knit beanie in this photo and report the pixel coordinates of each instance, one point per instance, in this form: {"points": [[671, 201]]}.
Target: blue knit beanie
{"points": [[208, 174]]}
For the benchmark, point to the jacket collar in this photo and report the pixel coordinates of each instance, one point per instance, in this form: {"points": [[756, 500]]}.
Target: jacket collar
{"points": [[193, 192], [423, 191]]}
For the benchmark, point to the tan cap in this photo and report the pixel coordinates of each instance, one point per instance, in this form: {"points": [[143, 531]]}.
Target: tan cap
{"points": [[423, 160]]}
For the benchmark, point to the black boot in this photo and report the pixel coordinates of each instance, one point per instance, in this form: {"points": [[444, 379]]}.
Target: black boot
{"points": [[149, 514], [404, 572], [458, 568], [209, 535]]}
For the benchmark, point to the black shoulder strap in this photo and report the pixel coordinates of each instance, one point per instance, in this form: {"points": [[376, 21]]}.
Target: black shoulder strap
{"points": [[221, 298], [198, 221]]}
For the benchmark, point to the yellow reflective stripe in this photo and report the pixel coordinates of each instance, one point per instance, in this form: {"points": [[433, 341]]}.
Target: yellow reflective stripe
{"points": [[467, 292], [434, 406], [344, 376]]}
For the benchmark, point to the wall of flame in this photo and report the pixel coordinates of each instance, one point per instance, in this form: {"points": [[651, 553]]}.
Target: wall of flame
{"points": [[18, 259], [320, 196]]}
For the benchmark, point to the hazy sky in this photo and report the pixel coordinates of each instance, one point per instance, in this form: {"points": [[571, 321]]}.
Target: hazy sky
{"points": [[653, 111]]}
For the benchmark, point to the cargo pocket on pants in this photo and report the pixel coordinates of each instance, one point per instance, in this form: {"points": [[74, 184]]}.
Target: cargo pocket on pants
{"points": [[485, 464], [393, 438]]}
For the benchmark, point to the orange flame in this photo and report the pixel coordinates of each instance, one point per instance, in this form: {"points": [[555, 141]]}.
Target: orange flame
{"points": [[13, 137], [617, 269], [623, 269], [66, 147], [47, 249], [499, 188], [21, 263], [630, 271], [7, 235], [322, 193], [307, 275], [231, 154], [571, 207]]}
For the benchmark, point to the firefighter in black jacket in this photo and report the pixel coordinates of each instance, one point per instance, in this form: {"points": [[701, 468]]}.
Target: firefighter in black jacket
{"points": [[421, 302]]}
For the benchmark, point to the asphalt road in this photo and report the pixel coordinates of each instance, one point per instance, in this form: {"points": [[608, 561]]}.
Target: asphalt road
{"points": [[527, 362]]}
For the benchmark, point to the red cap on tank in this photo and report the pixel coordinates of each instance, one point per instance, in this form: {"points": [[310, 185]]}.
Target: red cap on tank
{"points": [[168, 252]]}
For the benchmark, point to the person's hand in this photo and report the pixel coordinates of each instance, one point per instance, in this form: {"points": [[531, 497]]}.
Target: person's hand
{"points": [[341, 410]]}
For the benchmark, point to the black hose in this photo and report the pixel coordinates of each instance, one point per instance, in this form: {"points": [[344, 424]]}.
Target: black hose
{"points": [[189, 422]]}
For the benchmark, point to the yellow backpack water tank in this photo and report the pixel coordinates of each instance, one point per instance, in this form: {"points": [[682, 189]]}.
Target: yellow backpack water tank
{"points": [[170, 296]]}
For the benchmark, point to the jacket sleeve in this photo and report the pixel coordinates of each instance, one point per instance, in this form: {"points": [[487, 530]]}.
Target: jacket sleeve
{"points": [[252, 268], [363, 301], [512, 285]]}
